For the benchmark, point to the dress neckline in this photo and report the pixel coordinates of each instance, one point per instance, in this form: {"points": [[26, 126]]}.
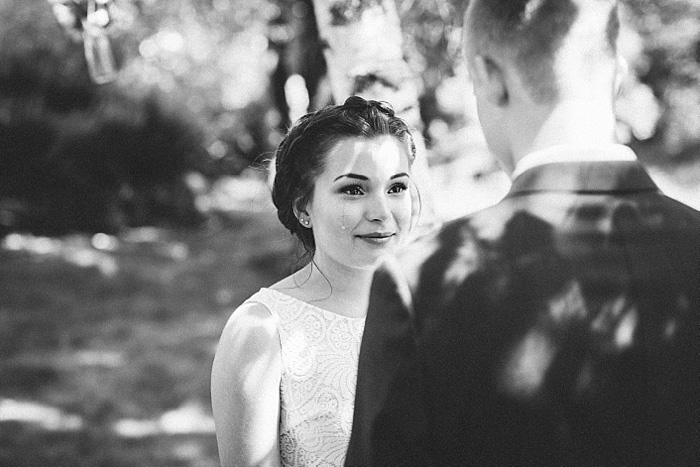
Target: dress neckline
{"points": [[323, 310]]}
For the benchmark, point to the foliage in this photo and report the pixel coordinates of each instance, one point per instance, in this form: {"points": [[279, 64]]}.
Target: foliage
{"points": [[666, 61], [433, 34], [670, 65], [102, 168], [190, 97], [200, 88], [212, 58], [80, 157], [348, 11]]}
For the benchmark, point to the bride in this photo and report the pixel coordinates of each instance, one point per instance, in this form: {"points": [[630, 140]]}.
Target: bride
{"points": [[283, 378]]}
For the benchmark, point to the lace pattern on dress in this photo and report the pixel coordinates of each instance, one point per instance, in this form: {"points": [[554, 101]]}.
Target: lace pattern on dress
{"points": [[320, 352]]}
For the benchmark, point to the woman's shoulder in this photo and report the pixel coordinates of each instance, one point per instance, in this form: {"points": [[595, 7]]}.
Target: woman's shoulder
{"points": [[251, 329]]}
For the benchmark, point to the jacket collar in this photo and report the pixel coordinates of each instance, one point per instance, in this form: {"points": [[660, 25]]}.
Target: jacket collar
{"points": [[574, 153], [584, 177]]}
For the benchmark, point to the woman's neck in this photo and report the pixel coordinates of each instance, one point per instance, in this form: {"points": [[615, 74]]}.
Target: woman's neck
{"points": [[333, 287]]}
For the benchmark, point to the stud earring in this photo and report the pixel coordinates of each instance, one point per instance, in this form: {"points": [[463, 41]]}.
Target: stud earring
{"points": [[304, 222]]}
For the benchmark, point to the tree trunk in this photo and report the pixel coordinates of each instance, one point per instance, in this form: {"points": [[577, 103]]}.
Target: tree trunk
{"points": [[365, 56]]}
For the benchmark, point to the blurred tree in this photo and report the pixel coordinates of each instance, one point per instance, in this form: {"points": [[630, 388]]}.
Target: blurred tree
{"points": [[365, 53], [669, 63], [432, 31], [191, 94], [364, 49], [77, 156], [213, 59], [208, 77], [86, 21], [294, 36]]}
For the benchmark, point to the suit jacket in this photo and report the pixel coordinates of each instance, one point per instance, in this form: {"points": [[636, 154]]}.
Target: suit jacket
{"points": [[560, 326]]}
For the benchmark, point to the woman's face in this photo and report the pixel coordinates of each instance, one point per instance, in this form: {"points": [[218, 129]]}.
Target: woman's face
{"points": [[361, 207]]}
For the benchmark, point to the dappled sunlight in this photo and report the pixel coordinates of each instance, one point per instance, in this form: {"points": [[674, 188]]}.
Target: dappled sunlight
{"points": [[624, 334], [127, 355], [95, 358], [526, 367], [465, 261], [568, 305], [97, 251], [40, 415], [76, 250], [188, 419], [529, 363], [461, 187], [247, 194], [136, 213]]}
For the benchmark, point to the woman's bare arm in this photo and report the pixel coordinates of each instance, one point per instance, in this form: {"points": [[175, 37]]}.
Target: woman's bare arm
{"points": [[245, 384]]}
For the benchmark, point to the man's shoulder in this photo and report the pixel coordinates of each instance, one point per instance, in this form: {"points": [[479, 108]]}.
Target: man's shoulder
{"points": [[485, 224], [687, 215], [453, 238]]}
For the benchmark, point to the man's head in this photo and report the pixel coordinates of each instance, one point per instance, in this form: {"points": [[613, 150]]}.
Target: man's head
{"points": [[539, 53]]}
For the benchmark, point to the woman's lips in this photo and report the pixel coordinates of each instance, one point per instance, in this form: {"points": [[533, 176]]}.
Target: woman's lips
{"points": [[377, 238]]}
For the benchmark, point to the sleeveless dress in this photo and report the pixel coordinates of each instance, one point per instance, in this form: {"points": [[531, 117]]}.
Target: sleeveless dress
{"points": [[319, 370]]}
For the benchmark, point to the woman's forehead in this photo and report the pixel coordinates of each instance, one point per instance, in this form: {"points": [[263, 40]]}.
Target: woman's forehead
{"points": [[376, 155]]}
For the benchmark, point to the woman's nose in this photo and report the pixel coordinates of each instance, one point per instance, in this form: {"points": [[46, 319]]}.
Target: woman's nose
{"points": [[378, 208]]}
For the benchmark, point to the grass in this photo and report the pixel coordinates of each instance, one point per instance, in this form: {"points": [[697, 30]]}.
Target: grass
{"points": [[125, 333]]}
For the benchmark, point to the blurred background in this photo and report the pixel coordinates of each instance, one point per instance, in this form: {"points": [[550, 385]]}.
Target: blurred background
{"points": [[135, 141]]}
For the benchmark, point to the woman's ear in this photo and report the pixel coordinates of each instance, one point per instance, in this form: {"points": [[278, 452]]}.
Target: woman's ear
{"points": [[302, 216], [297, 208], [490, 77]]}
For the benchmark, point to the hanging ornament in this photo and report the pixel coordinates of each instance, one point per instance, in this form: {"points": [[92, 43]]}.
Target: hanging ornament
{"points": [[98, 47], [87, 20]]}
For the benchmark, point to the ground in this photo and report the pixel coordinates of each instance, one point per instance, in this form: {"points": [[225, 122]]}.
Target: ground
{"points": [[106, 343]]}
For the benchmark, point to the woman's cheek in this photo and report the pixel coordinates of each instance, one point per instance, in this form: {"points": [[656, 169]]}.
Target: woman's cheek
{"points": [[402, 218], [406, 212], [351, 214]]}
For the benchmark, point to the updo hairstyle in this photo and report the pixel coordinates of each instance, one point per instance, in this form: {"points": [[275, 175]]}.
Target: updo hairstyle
{"points": [[300, 157]]}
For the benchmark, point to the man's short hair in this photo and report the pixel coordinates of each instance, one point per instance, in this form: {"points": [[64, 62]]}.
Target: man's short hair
{"points": [[530, 32]]}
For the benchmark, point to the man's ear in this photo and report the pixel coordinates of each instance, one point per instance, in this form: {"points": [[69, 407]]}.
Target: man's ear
{"points": [[490, 77], [621, 71]]}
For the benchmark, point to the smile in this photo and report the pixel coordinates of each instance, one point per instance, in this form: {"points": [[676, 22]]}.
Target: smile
{"points": [[377, 238]]}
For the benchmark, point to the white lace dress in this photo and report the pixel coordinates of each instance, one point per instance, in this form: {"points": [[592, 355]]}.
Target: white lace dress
{"points": [[319, 370]]}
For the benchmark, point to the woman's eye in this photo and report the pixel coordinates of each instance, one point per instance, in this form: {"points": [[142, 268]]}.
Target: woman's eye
{"points": [[398, 188], [354, 190]]}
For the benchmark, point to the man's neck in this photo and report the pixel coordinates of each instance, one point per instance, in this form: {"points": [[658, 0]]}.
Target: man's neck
{"points": [[571, 122]]}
